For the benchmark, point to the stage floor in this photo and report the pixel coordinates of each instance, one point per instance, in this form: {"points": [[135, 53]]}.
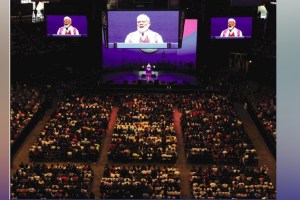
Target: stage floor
{"points": [[162, 77]]}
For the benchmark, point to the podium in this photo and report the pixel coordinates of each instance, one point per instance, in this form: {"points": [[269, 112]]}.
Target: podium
{"points": [[120, 45], [143, 72]]}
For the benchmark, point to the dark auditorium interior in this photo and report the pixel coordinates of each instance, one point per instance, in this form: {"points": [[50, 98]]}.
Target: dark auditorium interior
{"points": [[94, 117]]}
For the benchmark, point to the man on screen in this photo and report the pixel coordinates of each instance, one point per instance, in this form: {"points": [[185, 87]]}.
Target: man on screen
{"points": [[143, 33], [67, 29], [231, 31]]}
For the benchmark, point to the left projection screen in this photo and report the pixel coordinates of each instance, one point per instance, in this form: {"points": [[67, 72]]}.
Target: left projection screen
{"points": [[67, 26]]}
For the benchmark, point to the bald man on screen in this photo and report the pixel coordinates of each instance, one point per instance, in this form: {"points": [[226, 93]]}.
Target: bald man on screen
{"points": [[231, 31], [143, 33], [67, 29]]}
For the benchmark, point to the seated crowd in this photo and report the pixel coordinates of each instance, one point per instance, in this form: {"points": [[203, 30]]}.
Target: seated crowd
{"points": [[140, 182], [25, 102], [55, 181], [213, 133], [74, 131], [144, 130], [231, 183], [264, 105]]}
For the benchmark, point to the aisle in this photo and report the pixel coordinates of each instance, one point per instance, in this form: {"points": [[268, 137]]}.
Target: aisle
{"points": [[98, 167], [181, 161]]}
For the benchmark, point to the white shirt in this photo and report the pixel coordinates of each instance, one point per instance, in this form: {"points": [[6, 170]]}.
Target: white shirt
{"points": [[71, 31], [231, 33]]}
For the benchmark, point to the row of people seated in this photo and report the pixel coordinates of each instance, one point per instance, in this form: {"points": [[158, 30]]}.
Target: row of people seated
{"points": [[228, 182], [144, 130], [74, 131], [55, 181], [140, 182], [261, 105], [25, 103], [213, 133], [264, 105]]}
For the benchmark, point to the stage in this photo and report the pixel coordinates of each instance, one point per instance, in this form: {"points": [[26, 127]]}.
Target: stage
{"points": [[160, 77]]}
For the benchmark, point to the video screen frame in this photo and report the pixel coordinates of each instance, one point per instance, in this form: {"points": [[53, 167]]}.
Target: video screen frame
{"points": [[117, 31], [219, 27]]}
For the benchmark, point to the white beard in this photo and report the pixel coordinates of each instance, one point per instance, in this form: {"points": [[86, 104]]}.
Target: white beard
{"points": [[142, 30], [67, 26]]}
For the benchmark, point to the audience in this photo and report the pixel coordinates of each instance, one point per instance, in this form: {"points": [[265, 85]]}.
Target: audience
{"points": [[144, 130], [265, 107], [25, 102], [55, 181], [140, 182], [213, 133], [231, 183], [74, 131]]}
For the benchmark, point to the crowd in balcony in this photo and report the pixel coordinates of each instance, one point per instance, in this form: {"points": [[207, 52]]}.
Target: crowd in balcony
{"points": [[25, 102], [264, 105]]}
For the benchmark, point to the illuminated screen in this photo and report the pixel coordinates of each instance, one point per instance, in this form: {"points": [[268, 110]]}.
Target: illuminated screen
{"points": [[59, 26], [220, 28], [143, 29], [184, 57]]}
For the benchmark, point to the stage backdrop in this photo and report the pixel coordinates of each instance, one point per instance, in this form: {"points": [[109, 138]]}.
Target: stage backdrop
{"points": [[184, 57]]}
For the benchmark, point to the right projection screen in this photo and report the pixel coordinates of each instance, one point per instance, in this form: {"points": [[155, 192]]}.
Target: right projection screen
{"points": [[231, 28]]}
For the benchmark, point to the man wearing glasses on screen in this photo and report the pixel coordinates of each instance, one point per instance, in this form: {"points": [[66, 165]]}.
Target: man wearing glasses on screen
{"points": [[67, 29], [143, 33], [231, 31]]}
